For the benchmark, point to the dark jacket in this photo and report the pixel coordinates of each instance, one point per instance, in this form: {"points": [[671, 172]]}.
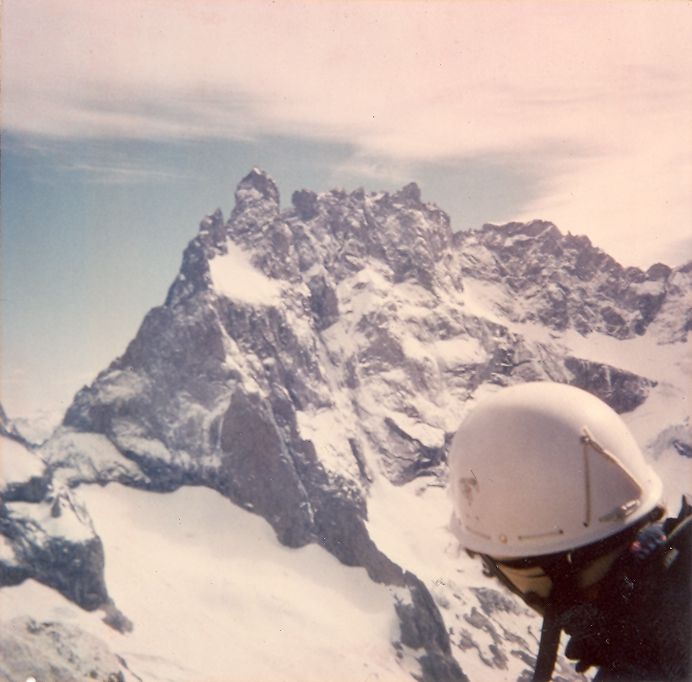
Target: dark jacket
{"points": [[639, 626]]}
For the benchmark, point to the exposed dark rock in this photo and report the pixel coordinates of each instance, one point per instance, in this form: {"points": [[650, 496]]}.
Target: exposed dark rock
{"points": [[4, 421], [342, 531], [12, 573], [424, 623], [323, 302], [306, 204], [419, 458], [256, 187], [260, 471], [33, 489], [194, 271], [116, 619], [9, 430], [422, 627], [410, 193], [58, 652], [684, 449], [363, 468], [494, 601], [658, 271], [497, 659], [74, 568], [622, 390]]}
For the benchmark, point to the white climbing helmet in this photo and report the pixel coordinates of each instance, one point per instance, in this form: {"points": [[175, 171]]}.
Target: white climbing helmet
{"points": [[542, 468]]}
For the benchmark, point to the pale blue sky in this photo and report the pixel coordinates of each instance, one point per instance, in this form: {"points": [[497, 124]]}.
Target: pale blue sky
{"points": [[123, 128]]}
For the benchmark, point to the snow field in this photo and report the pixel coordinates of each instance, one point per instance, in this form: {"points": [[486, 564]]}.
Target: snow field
{"points": [[17, 463], [214, 596], [233, 275]]}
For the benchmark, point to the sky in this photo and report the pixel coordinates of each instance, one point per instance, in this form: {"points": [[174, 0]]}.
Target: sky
{"points": [[125, 123]]}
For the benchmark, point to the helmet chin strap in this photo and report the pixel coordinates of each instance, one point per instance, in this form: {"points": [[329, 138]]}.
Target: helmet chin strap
{"points": [[550, 641], [563, 575]]}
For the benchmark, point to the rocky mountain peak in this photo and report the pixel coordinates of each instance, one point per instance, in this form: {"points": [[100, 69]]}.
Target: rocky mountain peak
{"points": [[256, 186], [194, 270], [337, 232], [342, 231], [534, 228], [410, 192], [658, 272], [306, 204], [212, 230]]}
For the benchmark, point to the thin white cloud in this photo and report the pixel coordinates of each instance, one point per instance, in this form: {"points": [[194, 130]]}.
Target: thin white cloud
{"points": [[125, 174], [604, 85], [381, 170]]}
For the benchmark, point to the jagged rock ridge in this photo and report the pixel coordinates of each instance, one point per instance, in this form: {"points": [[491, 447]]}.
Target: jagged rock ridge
{"points": [[569, 282]]}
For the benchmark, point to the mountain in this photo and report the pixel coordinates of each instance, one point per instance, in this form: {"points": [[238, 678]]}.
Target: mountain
{"points": [[310, 365], [568, 283]]}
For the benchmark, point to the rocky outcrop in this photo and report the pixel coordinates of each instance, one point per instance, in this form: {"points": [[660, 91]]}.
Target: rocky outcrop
{"points": [[54, 542], [33, 650], [623, 391], [45, 532], [422, 627]]}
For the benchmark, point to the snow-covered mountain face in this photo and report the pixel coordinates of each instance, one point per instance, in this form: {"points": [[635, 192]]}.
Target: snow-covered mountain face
{"points": [[311, 365], [564, 282]]}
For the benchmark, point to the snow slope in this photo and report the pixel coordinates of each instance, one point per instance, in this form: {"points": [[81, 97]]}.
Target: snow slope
{"points": [[213, 596], [234, 276], [17, 463]]}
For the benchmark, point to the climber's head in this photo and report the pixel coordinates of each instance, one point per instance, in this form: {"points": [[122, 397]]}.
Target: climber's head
{"points": [[542, 474]]}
